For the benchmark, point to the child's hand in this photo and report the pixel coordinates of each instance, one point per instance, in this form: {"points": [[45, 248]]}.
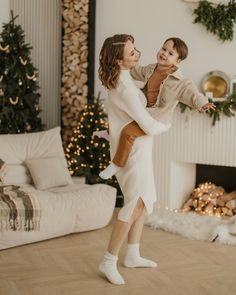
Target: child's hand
{"points": [[207, 107]]}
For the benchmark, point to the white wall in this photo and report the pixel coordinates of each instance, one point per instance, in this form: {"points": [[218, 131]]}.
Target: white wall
{"points": [[153, 21], [4, 12]]}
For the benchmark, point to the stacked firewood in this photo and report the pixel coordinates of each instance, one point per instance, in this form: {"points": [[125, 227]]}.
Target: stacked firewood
{"points": [[75, 62], [210, 199]]}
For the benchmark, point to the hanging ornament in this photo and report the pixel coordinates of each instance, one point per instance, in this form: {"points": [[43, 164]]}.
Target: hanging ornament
{"points": [[1, 77], [33, 77], [6, 72], [20, 82], [23, 62], [14, 102], [4, 48]]}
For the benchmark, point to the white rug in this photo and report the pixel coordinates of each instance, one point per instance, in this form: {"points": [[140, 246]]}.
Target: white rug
{"points": [[194, 226]]}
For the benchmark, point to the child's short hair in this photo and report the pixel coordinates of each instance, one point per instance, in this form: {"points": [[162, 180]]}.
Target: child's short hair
{"points": [[180, 46]]}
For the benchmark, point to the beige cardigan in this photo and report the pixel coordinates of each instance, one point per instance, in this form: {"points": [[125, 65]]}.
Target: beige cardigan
{"points": [[174, 89]]}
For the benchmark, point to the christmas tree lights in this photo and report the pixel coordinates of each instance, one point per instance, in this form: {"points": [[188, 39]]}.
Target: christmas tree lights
{"points": [[87, 155]]}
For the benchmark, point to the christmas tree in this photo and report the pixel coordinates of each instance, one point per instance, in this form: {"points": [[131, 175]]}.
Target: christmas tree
{"points": [[88, 155], [19, 97]]}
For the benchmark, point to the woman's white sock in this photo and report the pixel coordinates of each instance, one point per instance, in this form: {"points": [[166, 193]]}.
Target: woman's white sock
{"points": [[111, 170], [133, 258], [102, 134], [109, 269]]}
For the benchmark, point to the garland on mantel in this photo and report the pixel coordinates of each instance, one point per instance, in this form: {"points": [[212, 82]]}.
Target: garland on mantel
{"points": [[226, 107], [219, 19]]}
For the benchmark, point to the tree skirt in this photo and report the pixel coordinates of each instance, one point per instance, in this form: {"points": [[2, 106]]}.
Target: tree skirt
{"points": [[195, 226]]}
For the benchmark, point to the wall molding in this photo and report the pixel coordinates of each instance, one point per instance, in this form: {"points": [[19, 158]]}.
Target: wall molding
{"points": [[41, 21]]}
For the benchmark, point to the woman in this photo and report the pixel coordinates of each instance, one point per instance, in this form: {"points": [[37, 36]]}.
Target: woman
{"points": [[125, 104]]}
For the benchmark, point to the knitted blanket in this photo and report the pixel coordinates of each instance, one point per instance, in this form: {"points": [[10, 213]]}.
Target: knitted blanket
{"points": [[19, 209]]}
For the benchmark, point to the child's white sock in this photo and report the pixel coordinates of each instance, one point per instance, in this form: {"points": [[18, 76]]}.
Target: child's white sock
{"points": [[133, 258], [111, 170], [109, 269], [102, 134]]}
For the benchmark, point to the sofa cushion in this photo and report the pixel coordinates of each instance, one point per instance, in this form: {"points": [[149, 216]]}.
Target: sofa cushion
{"points": [[15, 149], [15, 174], [48, 172], [65, 210]]}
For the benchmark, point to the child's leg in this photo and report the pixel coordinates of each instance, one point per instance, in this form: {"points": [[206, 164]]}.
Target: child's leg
{"points": [[128, 135], [127, 138]]}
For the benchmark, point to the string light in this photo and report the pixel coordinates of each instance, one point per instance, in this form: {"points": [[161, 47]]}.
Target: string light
{"points": [[206, 199]]}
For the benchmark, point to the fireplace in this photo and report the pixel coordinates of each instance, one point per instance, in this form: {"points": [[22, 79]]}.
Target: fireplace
{"points": [[220, 175], [192, 141]]}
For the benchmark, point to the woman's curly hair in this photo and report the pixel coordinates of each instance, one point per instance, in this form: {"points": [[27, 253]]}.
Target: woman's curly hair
{"points": [[112, 51]]}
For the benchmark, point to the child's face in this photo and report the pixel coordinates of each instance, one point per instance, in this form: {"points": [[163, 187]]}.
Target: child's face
{"points": [[131, 56], [167, 55]]}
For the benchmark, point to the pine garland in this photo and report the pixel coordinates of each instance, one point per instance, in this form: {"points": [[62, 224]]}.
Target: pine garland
{"points": [[226, 107], [218, 20]]}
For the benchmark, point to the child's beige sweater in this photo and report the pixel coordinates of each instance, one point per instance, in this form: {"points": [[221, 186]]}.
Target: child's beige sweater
{"points": [[174, 89]]}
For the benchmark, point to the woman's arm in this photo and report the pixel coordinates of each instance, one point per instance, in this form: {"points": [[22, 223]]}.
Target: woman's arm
{"points": [[131, 104]]}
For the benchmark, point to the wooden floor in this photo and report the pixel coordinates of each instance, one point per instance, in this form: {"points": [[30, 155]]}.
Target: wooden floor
{"points": [[69, 266]]}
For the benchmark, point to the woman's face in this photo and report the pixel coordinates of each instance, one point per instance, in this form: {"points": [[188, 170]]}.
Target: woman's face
{"points": [[131, 56]]}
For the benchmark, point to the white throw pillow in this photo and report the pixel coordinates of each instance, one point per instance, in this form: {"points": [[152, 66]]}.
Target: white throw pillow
{"points": [[49, 172], [15, 174]]}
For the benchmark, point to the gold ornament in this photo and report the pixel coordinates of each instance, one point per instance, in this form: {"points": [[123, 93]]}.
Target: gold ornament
{"points": [[1, 78], [23, 62], [1, 92], [14, 101], [31, 77], [4, 48]]}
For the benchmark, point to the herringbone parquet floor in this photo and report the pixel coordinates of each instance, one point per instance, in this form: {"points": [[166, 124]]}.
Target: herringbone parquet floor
{"points": [[68, 266]]}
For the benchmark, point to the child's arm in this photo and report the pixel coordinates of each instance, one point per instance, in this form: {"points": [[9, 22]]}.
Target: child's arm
{"points": [[190, 96]]}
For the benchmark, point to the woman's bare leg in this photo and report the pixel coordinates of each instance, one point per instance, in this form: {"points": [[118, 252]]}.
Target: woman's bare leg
{"points": [[119, 233], [121, 229], [136, 229], [133, 258]]}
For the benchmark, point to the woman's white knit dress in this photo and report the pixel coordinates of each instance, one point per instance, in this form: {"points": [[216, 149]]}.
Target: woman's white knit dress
{"points": [[127, 103]]}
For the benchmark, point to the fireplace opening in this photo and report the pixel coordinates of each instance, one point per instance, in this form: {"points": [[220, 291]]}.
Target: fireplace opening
{"points": [[220, 175]]}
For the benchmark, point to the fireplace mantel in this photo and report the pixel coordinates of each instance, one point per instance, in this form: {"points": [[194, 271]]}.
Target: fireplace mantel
{"points": [[191, 140]]}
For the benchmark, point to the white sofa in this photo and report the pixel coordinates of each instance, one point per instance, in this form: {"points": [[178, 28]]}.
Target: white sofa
{"points": [[68, 208]]}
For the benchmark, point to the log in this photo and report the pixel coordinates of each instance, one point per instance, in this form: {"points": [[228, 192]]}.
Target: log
{"points": [[74, 88]]}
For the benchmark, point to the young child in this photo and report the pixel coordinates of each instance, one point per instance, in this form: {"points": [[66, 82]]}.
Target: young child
{"points": [[164, 87]]}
